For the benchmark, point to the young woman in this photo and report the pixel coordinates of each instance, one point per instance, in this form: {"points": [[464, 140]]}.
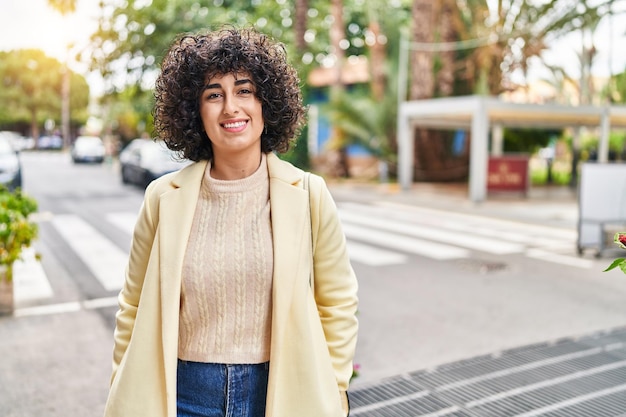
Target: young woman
{"points": [[239, 297]]}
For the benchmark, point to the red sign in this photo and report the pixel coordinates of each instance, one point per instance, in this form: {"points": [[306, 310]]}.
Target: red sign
{"points": [[507, 173]]}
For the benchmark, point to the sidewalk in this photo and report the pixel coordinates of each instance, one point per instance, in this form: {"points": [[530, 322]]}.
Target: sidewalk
{"points": [[54, 365]]}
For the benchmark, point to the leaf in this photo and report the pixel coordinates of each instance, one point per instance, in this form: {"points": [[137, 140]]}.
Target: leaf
{"points": [[621, 262]]}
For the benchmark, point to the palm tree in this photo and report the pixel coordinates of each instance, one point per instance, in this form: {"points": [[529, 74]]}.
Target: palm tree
{"points": [[366, 121]]}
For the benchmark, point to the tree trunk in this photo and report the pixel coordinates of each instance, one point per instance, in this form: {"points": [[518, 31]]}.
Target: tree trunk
{"points": [[337, 34], [448, 33], [301, 9], [422, 79], [34, 127], [377, 62], [433, 159]]}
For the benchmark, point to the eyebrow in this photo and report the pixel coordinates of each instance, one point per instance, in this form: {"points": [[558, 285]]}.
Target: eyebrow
{"points": [[237, 83]]}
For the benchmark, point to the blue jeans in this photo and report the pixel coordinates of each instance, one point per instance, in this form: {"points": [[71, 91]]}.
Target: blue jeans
{"points": [[221, 390]]}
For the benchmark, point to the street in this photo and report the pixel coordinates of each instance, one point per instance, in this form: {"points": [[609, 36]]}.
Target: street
{"points": [[438, 284]]}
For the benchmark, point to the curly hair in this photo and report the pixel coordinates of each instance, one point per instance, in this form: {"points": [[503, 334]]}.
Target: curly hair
{"points": [[193, 59]]}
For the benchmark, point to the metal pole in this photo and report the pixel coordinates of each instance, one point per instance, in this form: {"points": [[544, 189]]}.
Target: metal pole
{"points": [[478, 153], [605, 130]]}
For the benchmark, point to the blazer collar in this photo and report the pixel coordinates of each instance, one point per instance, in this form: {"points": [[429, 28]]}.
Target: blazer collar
{"points": [[277, 168], [283, 171], [191, 175]]}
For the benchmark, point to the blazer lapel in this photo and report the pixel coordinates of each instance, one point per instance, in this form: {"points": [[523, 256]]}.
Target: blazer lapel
{"points": [[176, 211]]}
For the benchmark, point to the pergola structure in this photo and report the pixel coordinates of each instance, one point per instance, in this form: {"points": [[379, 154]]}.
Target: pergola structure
{"points": [[481, 115]]}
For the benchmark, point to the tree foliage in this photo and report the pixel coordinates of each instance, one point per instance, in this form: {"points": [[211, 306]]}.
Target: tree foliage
{"points": [[31, 89], [510, 33], [471, 46], [133, 35]]}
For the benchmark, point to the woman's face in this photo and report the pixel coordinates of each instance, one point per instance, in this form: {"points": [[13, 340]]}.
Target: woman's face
{"points": [[231, 114]]}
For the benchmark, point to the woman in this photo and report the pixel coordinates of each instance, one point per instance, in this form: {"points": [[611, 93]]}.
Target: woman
{"points": [[239, 297]]}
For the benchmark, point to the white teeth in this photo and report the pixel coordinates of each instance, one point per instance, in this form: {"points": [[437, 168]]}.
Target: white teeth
{"points": [[234, 125]]}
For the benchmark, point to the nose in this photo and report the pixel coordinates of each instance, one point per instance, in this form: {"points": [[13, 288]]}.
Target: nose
{"points": [[230, 105]]}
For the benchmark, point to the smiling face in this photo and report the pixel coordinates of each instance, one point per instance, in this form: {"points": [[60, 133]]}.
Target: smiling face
{"points": [[232, 115]]}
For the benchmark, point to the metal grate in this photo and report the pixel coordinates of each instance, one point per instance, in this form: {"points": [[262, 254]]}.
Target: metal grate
{"points": [[583, 377], [384, 392]]}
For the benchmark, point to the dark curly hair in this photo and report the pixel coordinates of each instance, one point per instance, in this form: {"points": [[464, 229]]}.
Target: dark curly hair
{"points": [[193, 59]]}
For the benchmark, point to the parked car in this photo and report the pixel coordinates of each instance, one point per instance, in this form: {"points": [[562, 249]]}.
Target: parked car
{"points": [[53, 142], [144, 160], [10, 165], [88, 149], [19, 142]]}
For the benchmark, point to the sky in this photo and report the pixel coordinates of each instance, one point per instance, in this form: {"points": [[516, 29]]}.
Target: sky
{"points": [[34, 24]]}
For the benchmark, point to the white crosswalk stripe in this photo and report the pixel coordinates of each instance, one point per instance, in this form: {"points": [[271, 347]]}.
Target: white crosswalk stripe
{"points": [[31, 282], [381, 234], [452, 237], [373, 256], [404, 243], [105, 260]]}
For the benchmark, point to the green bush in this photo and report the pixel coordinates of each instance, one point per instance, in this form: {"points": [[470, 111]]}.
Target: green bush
{"points": [[16, 230]]}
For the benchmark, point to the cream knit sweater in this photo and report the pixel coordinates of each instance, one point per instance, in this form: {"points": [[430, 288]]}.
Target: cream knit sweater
{"points": [[225, 314]]}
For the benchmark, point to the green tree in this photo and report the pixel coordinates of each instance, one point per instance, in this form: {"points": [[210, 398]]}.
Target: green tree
{"points": [[129, 113], [31, 89], [367, 116], [134, 35]]}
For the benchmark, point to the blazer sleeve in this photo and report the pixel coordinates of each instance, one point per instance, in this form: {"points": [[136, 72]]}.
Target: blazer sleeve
{"points": [[128, 298], [335, 283]]}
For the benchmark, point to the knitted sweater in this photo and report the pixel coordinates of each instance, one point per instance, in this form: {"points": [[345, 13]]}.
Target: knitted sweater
{"points": [[225, 314]]}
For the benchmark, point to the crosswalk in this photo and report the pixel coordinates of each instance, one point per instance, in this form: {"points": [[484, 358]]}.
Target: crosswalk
{"points": [[379, 235], [445, 235]]}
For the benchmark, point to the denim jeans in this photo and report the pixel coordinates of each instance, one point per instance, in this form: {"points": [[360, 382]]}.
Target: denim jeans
{"points": [[221, 390]]}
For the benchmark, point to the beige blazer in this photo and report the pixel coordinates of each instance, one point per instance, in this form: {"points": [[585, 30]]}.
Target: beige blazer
{"points": [[313, 331]]}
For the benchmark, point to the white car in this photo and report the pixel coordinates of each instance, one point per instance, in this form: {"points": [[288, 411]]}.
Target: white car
{"points": [[88, 149]]}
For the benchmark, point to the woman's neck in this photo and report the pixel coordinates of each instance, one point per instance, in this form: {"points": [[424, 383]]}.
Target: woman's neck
{"points": [[234, 168]]}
